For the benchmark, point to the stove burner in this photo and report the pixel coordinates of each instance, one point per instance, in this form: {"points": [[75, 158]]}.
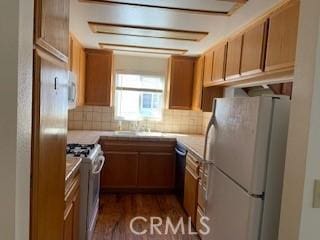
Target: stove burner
{"points": [[79, 150]]}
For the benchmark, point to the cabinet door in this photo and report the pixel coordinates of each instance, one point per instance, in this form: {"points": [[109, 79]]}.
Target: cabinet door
{"points": [[219, 63], [98, 77], [208, 94], [234, 57], [207, 71], [181, 83], [52, 27], [120, 170], [156, 170], [76, 216], [254, 47], [282, 37], [198, 84], [82, 79], [50, 102], [75, 58], [68, 223], [190, 194]]}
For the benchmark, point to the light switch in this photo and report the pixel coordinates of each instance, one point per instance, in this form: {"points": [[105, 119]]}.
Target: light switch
{"points": [[316, 194]]}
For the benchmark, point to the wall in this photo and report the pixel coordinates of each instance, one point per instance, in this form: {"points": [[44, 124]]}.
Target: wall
{"points": [[140, 63], [298, 219], [15, 121], [102, 118]]}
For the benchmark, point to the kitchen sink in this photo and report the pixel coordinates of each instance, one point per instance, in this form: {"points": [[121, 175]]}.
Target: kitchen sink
{"points": [[138, 133], [126, 133]]}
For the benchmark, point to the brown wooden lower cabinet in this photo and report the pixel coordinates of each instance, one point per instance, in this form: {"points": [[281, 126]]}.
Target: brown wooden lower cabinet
{"points": [[121, 170], [190, 194], [156, 170], [199, 225], [72, 211], [133, 165]]}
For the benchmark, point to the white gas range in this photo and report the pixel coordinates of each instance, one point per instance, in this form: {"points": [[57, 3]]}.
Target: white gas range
{"points": [[91, 166]]}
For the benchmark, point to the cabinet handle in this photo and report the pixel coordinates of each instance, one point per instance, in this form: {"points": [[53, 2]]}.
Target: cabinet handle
{"points": [[55, 83]]}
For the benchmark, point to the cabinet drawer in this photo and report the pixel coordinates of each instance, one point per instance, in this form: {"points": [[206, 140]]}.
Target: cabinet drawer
{"points": [[203, 177], [193, 165], [72, 189], [201, 196], [137, 146], [190, 195], [199, 226]]}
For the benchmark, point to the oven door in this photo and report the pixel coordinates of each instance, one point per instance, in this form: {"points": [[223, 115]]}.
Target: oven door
{"points": [[93, 196]]}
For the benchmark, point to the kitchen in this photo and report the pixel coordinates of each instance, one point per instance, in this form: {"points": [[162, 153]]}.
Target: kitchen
{"points": [[154, 123]]}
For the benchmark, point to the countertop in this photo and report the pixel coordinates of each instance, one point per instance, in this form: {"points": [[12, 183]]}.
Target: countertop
{"points": [[72, 166], [194, 143]]}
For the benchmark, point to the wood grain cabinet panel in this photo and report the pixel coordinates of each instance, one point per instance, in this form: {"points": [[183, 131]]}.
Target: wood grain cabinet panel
{"points": [[234, 57], [77, 66], [254, 48], [50, 103], [219, 63], [207, 71], [208, 94], [150, 167], [190, 194], [156, 170], [198, 84], [98, 77], [52, 27], [82, 79], [68, 223], [282, 37], [71, 228], [181, 82], [120, 170]]}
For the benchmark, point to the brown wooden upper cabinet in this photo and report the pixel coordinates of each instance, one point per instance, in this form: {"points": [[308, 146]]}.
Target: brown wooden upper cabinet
{"points": [[198, 83], [77, 66], [234, 57], [98, 77], [282, 37], [52, 27], [181, 75], [207, 71], [253, 51], [219, 63]]}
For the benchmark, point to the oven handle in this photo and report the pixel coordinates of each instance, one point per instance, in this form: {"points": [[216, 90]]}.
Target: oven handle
{"points": [[102, 160]]}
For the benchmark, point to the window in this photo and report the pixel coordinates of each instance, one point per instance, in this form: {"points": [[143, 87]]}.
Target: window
{"points": [[138, 96]]}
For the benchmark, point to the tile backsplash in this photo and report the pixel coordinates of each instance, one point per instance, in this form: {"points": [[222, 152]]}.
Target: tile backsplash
{"points": [[102, 118], [205, 121]]}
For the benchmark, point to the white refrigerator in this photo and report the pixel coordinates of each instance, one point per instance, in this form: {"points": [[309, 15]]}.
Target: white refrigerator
{"points": [[245, 158]]}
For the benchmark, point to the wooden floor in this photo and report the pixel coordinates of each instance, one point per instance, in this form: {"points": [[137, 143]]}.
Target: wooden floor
{"points": [[116, 211]]}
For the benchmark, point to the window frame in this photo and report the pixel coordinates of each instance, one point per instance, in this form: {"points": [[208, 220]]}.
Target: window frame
{"points": [[146, 90]]}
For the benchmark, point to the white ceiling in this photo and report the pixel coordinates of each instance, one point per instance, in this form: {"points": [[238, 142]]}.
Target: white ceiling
{"points": [[214, 5], [218, 26]]}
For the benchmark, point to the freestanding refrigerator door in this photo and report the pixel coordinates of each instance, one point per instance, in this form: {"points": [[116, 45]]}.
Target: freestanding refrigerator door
{"points": [[242, 132], [233, 213]]}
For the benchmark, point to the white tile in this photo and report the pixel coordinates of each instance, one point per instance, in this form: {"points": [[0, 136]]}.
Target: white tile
{"points": [[97, 116], [87, 116], [87, 125], [78, 116]]}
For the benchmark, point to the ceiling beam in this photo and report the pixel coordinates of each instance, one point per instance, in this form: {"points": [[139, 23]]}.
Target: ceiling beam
{"points": [[181, 9], [146, 31], [142, 49], [234, 1]]}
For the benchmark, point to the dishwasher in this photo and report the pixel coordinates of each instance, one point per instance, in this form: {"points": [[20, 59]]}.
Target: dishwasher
{"points": [[181, 154]]}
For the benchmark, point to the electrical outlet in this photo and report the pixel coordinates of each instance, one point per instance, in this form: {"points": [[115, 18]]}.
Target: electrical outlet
{"points": [[316, 194]]}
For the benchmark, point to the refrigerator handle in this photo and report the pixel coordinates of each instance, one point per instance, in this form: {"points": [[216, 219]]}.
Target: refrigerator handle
{"points": [[206, 162]]}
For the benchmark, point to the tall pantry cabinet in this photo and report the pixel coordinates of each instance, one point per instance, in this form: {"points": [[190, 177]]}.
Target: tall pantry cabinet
{"points": [[49, 130]]}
